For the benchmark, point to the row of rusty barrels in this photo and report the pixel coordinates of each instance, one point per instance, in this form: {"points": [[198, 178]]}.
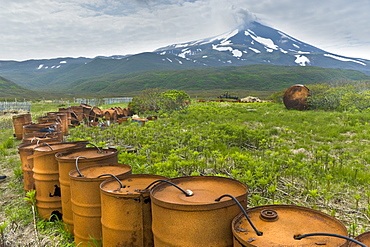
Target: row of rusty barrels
{"points": [[56, 124], [53, 126], [100, 200]]}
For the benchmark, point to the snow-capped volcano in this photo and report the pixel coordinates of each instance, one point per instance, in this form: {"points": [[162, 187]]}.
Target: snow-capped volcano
{"points": [[262, 45]]}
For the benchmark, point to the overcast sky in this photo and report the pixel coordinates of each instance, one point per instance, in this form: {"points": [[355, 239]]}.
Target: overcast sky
{"points": [[34, 29]]}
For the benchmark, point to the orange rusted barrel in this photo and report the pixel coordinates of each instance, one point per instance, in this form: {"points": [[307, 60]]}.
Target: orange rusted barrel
{"points": [[67, 111], [25, 150], [363, 238], [44, 128], [296, 96], [85, 198], [18, 122], [281, 225], [67, 162], [110, 115], [62, 120], [192, 216], [126, 211], [46, 176]]}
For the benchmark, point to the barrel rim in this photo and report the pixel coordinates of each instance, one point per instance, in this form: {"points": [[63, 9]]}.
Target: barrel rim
{"points": [[73, 173], [237, 218]]}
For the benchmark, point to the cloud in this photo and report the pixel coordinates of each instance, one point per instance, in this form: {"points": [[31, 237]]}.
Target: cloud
{"points": [[51, 28]]}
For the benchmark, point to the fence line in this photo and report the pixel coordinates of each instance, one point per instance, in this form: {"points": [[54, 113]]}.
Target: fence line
{"points": [[8, 106], [104, 101]]}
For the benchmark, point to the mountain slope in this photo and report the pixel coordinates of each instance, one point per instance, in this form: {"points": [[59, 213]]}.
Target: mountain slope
{"points": [[9, 89], [255, 44], [259, 44], [269, 78]]}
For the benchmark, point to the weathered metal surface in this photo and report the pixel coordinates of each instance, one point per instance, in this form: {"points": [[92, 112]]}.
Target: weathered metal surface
{"points": [[126, 212], [25, 150], [67, 162], [280, 224], [18, 122], [363, 238], [85, 198], [296, 96], [40, 138], [197, 220], [110, 114], [46, 176]]}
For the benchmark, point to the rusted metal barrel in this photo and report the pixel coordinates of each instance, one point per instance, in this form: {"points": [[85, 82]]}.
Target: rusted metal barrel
{"points": [[26, 150], [126, 211], [282, 225], [46, 176], [63, 120], [363, 238], [84, 157], [192, 216], [85, 198], [296, 96], [67, 111], [110, 115], [18, 122], [41, 128]]}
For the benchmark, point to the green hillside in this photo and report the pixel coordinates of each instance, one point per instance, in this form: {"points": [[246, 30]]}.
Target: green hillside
{"points": [[10, 90], [255, 78]]}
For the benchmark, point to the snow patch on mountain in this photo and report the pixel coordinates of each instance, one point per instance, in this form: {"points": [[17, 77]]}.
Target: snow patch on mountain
{"points": [[344, 59], [302, 60]]}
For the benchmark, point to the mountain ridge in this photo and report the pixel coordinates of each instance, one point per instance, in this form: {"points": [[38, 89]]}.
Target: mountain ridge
{"points": [[255, 44]]}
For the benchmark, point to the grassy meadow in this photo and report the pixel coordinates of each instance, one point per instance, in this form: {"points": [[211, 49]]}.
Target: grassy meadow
{"points": [[316, 159]]}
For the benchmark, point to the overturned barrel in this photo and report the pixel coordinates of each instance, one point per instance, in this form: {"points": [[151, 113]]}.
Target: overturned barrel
{"points": [[287, 225], [85, 198], [46, 176], [296, 96], [195, 215], [126, 211], [84, 157]]}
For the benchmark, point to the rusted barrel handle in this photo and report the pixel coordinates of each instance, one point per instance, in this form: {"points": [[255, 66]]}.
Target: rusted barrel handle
{"points": [[99, 150], [299, 237], [49, 146], [243, 210], [186, 192], [119, 181], [78, 170]]}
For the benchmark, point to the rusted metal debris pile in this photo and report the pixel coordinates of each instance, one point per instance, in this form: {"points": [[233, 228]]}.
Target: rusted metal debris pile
{"points": [[93, 116]]}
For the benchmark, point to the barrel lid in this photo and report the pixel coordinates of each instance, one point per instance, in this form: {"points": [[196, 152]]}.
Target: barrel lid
{"points": [[134, 184], [88, 153], [98, 170], [204, 189], [280, 224]]}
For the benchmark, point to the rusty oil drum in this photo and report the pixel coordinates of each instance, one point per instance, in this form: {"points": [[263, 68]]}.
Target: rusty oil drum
{"points": [[195, 218], [26, 150], [67, 162], [85, 198], [46, 176], [280, 224], [126, 212], [18, 122], [296, 96]]}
